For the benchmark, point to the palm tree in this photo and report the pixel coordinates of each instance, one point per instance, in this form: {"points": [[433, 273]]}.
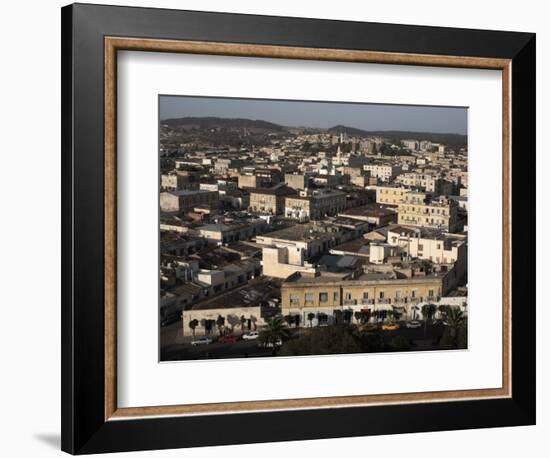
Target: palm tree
{"points": [[193, 324], [220, 322], [358, 316], [288, 319], [455, 319], [274, 331], [243, 321], [428, 311], [310, 317]]}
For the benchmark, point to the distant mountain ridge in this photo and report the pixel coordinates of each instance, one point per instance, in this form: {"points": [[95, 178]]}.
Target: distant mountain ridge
{"points": [[212, 122], [450, 139]]}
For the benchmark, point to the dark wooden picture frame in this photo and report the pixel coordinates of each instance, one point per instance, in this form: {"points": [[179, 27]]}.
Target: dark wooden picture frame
{"points": [[91, 37]]}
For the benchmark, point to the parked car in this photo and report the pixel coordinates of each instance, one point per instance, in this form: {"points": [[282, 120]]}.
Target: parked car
{"points": [[390, 327], [228, 339], [201, 341], [252, 335], [369, 327], [278, 343], [413, 324]]}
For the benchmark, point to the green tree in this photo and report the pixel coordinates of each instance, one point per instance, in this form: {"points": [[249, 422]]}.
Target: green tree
{"points": [[243, 322], [358, 316], [288, 319], [193, 324], [220, 322], [455, 320], [310, 317], [428, 311], [274, 331], [455, 335]]}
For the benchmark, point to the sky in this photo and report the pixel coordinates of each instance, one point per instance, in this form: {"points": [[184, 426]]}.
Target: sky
{"points": [[321, 114]]}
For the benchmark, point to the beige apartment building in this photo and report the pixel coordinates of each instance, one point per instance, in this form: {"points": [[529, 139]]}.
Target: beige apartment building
{"points": [[270, 201], [326, 293], [438, 213], [298, 180], [185, 200], [431, 245], [383, 172], [425, 181], [315, 205], [391, 195]]}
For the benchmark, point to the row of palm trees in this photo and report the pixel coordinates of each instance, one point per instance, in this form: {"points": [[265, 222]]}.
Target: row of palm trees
{"points": [[219, 322], [277, 328]]}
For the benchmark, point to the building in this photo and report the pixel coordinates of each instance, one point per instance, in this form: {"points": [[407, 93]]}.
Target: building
{"points": [[298, 180], [384, 172], [326, 294], [270, 200], [425, 181], [391, 195], [291, 249], [412, 145], [315, 204], [438, 213], [186, 200], [432, 245], [374, 214], [228, 232]]}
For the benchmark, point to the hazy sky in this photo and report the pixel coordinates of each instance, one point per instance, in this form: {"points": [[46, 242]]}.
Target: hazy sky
{"points": [[321, 114]]}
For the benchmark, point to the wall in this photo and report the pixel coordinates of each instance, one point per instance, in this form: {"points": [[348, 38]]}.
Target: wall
{"points": [[29, 393]]}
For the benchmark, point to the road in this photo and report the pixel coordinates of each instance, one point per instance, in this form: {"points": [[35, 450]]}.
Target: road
{"points": [[176, 347]]}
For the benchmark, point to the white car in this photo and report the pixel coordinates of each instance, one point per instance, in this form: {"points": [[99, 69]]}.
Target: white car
{"points": [[279, 343], [252, 335], [201, 341], [413, 324]]}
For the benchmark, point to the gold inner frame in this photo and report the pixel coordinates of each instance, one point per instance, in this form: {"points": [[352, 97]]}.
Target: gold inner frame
{"points": [[114, 44]]}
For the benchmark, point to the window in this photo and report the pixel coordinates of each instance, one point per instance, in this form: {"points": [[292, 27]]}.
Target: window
{"points": [[309, 297], [398, 294], [381, 295], [323, 297], [413, 293], [348, 296], [365, 294], [420, 247], [431, 293], [336, 297], [294, 299]]}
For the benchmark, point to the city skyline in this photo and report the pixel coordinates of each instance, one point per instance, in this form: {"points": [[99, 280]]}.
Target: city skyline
{"points": [[321, 114]]}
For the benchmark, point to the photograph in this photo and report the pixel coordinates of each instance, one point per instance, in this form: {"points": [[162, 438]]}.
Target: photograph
{"points": [[295, 228]]}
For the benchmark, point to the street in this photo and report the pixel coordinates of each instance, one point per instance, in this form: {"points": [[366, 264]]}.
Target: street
{"points": [[176, 347]]}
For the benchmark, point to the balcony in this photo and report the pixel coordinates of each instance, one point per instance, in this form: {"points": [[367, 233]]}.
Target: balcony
{"points": [[349, 302], [367, 301], [384, 300]]}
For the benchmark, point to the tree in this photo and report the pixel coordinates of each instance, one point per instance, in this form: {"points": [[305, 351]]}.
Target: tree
{"points": [[428, 311], [193, 324], [243, 322], [455, 319], [274, 331], [297, 320], [310, 317], [443, 310], [288, 319], [338, 316], [220, 322], [358, 316], [455, 335]]}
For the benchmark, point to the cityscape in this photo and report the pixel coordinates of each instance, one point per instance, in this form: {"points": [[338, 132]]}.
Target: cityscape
{"points": [[298, 228]]}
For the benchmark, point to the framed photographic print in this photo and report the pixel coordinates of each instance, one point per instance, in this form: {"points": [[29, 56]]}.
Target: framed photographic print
{"points": [[282, 228]]}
